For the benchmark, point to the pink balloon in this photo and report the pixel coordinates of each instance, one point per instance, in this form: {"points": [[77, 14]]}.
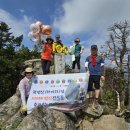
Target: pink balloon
{"points": [[46, 30], [41, 28], [35, 28], [39, 23]]}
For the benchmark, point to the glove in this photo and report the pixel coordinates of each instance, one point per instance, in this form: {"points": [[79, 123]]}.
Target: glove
{"points": [[24, 108]]}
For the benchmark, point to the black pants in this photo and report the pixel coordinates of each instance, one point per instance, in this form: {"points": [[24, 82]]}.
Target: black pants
{"points": [[94, 80], [46, 66], [77, 61]]}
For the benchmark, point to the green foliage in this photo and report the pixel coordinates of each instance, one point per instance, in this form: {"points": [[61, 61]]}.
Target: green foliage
{"points": [[12, 56], [110, 98], [2, 126], [114, 81]]}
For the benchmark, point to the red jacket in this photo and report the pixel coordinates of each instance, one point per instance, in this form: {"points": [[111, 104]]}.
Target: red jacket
{"points": [[47, 54]]}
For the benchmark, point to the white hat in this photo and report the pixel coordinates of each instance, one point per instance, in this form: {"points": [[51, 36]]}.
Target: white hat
{"points": [[28, 70]]}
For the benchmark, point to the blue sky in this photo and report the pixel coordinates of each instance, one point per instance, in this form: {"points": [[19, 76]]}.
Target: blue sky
{"points": [[86, 19]]}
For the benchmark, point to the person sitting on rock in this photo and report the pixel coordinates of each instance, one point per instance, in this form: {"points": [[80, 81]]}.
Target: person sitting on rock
{"points": [[25, 87], [95, 67], [47, 56]]}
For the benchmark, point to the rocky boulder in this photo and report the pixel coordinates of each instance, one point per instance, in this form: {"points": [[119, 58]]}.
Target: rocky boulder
{"points": [[37, 66], [43, 118], [106, 122], [111, 122], [9, 108]]}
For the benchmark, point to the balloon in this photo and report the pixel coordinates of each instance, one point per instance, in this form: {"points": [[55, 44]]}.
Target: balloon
{"points": [[54, 47], [32, 26], [38, 23], [66, 50], [46, 30], [35, 28], [38, 30], [31, 37], [37, 36], [41, 31], [59, 48]]}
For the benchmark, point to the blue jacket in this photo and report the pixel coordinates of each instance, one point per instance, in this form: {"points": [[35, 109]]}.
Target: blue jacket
{"points": [[95, 70]]}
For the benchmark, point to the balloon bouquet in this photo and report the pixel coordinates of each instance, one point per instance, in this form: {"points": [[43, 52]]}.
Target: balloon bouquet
{"points": [[37, 30]]}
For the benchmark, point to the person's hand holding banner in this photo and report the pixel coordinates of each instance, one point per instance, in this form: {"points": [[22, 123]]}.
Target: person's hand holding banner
{"points": [[23, 108]]}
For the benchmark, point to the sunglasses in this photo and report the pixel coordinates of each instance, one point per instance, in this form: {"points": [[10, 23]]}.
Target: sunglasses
{"points": [[49, 40], [28, 72], [76, 41], [93, 48]]}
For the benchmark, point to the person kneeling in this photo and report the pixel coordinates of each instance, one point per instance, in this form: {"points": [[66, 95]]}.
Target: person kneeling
{"points": [[25, 87]]}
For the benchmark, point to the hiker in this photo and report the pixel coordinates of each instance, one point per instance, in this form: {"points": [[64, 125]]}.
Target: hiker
{"points": [[76, 51], [47, 56], [58, 40], [95, 67], [25, 87]]}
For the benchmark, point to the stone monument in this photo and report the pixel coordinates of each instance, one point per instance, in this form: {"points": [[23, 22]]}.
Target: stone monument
{"points": [[59, 63]]}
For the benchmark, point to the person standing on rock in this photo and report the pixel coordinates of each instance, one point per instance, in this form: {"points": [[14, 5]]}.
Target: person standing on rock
{"points": [[58, 40], [47, 56], [95, 67], [76, 51], [25, 87]]}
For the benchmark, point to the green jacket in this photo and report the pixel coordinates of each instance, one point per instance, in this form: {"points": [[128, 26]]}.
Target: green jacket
{"points": [[77, 49]]}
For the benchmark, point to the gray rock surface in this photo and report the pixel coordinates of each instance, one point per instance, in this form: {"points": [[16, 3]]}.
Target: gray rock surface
{"points": [[111, 122], [40, 119], [14, 121], [46, 119], [37, 67], [106, 122], [9, 108], [94, 112], [86, 125]]}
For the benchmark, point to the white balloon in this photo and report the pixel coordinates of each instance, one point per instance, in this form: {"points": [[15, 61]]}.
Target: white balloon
{"points": [[38, 23], [37, 36], [35, 28], [31, 37], [32, 26]]}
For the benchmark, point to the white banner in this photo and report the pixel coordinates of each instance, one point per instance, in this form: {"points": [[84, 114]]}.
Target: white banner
{"points": [[65, 92]]}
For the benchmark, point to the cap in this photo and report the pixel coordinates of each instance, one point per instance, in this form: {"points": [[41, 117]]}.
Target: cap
{"points": [[58, 36], [77, 40], [94, 47]]}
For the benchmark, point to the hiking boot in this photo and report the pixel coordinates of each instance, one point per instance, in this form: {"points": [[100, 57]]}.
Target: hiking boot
{"points": [[96, 104], [90, 102]]}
